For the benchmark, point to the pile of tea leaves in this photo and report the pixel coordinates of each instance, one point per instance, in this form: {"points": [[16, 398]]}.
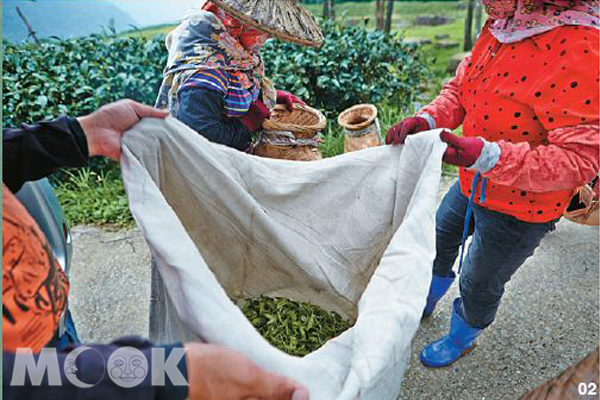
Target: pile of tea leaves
{"points": [[296, 328]]}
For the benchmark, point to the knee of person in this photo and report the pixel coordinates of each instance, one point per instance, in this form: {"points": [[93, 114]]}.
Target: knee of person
{"points": [[482, 289]]}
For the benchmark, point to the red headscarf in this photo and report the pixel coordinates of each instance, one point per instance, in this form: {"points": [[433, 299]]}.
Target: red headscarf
{"points": [[250, 38]]}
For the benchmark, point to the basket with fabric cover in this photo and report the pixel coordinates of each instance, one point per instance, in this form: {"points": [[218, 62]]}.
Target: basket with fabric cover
{"points": [[295, 153], [286, 145], [283, 19], [303, 121]]}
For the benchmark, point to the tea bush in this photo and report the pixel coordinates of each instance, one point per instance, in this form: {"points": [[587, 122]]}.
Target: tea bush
{"points": [[77, 76], [353, 66]]}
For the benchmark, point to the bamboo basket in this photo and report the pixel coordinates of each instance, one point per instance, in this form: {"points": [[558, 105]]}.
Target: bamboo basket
{"points": [[361, 127], [305, 122], [291, 135], [293, 153]]}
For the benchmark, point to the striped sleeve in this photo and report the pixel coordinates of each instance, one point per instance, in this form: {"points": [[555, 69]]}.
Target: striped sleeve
{"points": [[238, 100], [209, 79]]}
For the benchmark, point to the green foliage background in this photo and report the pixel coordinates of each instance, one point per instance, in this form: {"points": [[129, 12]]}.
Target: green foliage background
{"points": [[353, 66], [78, 76]]}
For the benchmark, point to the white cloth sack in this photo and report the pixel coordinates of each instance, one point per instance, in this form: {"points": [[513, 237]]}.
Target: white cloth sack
{"points": [[353, 233]]}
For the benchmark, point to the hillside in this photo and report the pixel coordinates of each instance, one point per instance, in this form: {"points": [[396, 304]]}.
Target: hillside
{"points": [[62, 18]]}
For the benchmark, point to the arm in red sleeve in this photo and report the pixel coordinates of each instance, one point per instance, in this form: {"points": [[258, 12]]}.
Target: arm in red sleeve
{"points": [[446, 110], [566, 101], [569, 161]]}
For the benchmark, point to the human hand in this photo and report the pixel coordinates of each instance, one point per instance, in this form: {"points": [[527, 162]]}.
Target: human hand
{"points": [[288, 99], [461, 151], [216, 373], [104, 128], [398, 133], [256, 115]]}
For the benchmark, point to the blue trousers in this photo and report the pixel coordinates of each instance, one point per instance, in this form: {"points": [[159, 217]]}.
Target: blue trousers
{"points": [[500, 245]]}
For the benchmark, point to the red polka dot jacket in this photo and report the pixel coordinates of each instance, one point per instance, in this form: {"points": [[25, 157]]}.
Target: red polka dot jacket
{"points": [[538, 100]]}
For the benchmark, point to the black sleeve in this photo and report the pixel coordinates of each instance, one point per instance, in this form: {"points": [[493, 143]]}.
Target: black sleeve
{"points": [[35, 151], [92, 368], [202, 110]]}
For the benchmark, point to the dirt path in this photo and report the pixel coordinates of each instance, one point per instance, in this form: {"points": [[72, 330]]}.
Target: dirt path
{"points": [[548, 319]]}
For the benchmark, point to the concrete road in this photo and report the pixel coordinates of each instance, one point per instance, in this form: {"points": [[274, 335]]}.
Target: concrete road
{"points": [[547, 321]]}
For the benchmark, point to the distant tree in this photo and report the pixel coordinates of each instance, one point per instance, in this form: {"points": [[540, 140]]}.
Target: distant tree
{"points": [[380, 14], [478, 18], [469, 26], [329, 9], [389, 16], [28, 25]]}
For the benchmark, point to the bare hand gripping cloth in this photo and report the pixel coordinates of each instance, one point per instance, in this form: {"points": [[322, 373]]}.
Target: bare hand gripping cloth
{"points": [[353, 233]]}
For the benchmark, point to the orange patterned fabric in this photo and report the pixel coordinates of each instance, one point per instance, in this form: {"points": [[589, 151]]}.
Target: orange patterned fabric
{"points": [[34, 286], [538, 99]]}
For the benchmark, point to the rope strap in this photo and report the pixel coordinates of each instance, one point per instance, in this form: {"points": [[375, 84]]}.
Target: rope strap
{"points": [[469, 214]]}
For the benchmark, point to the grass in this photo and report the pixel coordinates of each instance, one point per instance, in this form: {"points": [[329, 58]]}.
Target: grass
{"points": [[93, 198], [402, 10], [90, 197]]}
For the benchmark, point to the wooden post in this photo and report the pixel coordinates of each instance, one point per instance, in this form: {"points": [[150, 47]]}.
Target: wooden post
{"points": [[380, 14], [390, 16], [29, 28], [329, 9], [469, 26], [478, 20]]}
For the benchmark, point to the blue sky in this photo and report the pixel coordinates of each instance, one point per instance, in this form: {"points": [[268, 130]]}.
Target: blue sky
{"points": [[154, 12]]}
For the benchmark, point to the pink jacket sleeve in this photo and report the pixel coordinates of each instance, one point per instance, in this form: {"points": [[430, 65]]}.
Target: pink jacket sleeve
{"points": [[570, 160], [446, 109]]}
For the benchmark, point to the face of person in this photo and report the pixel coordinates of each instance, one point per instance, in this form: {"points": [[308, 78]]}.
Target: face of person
{"points": [[252, 39], [499, 9]]}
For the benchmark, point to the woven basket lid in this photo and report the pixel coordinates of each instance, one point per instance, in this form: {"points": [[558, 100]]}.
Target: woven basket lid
{"points": [[358, 117], [303, 121], [283, 19]]}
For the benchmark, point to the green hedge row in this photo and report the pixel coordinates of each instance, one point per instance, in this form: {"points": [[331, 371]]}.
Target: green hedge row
{"points": [[77, 76], [353, 66]]}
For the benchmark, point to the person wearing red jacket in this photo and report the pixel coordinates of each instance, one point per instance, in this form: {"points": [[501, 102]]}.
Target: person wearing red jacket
{"points": [[527, 99]]}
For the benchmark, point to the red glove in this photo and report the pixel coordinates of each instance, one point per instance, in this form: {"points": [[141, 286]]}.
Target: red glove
{"points": [[461, 151], [256, 115], [398, 133], [288, 99]]}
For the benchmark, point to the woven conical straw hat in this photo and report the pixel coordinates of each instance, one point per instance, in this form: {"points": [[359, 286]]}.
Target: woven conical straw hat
{"points": [[283, 19]]}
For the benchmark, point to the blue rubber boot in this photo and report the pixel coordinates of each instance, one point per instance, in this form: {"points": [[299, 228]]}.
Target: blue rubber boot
{"points": [[437, 290], [459, 341]]}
